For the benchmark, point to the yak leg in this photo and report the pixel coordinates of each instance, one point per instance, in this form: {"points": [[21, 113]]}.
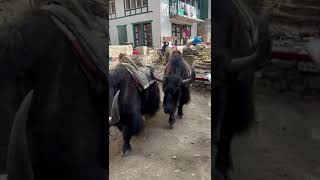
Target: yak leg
{"points": [[127, 134], [133, 126], [172, 120], [224, 161], [180, 111]]}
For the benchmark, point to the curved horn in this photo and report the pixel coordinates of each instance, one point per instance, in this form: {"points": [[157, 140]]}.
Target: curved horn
{"points": [[18, 158], [115, 115], [155, 77], [188, 66], [237, 64], [191, 77]]}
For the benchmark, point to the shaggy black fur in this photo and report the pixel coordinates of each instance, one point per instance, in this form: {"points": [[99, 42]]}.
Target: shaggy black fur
{"points": [[176, 94], [133, 104], [233, 91], [66, 128]]}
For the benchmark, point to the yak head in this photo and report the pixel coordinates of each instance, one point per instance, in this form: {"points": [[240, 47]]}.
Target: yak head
{"points": [[173, 81], [172, 91]]}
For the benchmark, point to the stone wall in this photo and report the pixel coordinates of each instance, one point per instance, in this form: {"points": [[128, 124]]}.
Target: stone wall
{"points": [[302, 78], [9, 9], [292, 23], [115, 50]]}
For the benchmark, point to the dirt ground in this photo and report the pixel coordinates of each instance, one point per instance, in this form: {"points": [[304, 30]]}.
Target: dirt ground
{"points": [[284, 144], [168, 154]]}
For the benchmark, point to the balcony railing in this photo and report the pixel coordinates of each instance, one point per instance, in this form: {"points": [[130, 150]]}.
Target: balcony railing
{"points": [[178, 8]]}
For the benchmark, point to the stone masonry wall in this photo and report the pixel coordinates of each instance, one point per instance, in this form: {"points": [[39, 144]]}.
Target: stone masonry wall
{"points": [[291, 23], [302, 78]]}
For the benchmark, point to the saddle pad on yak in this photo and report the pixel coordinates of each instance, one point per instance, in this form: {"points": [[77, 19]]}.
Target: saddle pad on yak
{"points": [[92, 40], [141, 75]]}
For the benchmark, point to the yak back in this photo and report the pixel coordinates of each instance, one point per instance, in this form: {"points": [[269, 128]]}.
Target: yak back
{"points": [[176, 66], [146, 101], [176, 70]]}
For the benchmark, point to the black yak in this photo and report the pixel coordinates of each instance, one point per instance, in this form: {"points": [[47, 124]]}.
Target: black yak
{"points": [[176, 85], [128, 103], [241, 44], [59, 131]]}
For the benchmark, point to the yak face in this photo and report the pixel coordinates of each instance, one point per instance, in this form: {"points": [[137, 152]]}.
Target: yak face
{"points": [[172, 91]]}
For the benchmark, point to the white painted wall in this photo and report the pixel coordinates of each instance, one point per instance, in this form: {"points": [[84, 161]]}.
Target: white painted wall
{"points": [[165, 19], [161, 25], [153, 6], [209, 11]]}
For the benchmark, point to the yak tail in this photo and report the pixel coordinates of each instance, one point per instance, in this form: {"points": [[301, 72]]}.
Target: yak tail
{"points": [[18, 162]]}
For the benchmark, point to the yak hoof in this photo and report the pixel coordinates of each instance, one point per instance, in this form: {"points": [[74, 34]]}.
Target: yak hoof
{"points": [[126, 150], [217, 175], [125, 153], [171, 126], [179, 116]]}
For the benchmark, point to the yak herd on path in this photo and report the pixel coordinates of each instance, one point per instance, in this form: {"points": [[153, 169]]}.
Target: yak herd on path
{"points": [[54, 89]]}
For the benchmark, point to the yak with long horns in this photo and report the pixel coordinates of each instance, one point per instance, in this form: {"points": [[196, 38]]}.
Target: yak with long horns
{"points": [[176, 85], [128, 104]]}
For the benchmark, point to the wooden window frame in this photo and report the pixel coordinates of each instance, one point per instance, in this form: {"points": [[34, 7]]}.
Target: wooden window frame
{"points": [[144, 8], [174, 32], [141, 35], [112, 15]]}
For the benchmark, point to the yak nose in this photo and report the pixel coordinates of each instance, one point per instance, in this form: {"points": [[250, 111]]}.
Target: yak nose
{"points": [[167, 110]]}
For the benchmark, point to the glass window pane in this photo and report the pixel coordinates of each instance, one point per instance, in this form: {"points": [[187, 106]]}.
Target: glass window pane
{"points": [[144, 2], [139, 3], [127, 4], [133, 4]]}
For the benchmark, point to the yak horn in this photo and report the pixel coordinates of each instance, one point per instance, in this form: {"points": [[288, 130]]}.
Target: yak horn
{"points": [[238, 64], [191, 77], [18, 157], [115, 115]]}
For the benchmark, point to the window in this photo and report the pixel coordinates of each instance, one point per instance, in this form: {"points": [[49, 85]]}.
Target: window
{"points": [[142, 33], [133, 7], [122, 34], [144, 2], [182, 33], [141, 3], [112, 9], [190, 2], [147, 34], [127, 4], [133, 4]]}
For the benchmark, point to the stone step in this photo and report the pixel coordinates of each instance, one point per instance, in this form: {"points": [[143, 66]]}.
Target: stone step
{"points": [[293, 19], [203, 67], [306, 2], [305, 10]]}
